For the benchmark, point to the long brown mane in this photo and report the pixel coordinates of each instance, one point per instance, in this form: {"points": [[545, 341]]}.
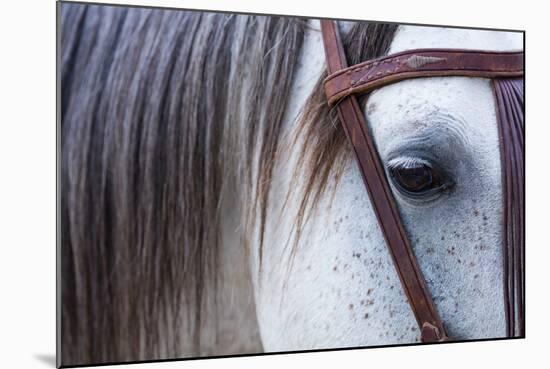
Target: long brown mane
{"points": [[161, 111]]}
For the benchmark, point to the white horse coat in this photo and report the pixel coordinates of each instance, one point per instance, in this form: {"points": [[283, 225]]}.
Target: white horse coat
{"points": [[343, 289]]}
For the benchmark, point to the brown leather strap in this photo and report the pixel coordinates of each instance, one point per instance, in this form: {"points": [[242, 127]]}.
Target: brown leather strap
{"points": [[372, 74], [381, 197], [509, 101]]}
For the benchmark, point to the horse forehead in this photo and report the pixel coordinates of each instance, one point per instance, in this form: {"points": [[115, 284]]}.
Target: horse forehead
{"points": [[396, 109], [427, 105], [416, 37]]}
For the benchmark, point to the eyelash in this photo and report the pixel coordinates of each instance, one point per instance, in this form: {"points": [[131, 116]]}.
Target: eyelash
{"points": [[407, 162]]}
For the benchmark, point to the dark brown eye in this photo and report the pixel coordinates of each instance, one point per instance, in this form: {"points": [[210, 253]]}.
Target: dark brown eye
{"points": [[416, 178]]}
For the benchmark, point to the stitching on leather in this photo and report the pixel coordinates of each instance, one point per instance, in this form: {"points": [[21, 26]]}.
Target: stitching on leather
{"points": [[373, 63], [378, 76]]}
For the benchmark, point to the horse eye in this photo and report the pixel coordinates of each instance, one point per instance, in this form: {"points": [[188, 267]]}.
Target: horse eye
{"points": [[416, 178]]}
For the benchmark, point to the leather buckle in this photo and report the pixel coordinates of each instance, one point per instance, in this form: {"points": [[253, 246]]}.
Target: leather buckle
{"points": [[431, 333]]}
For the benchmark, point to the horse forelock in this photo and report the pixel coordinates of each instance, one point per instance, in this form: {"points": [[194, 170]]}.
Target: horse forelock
{"points": [[323, 151]]}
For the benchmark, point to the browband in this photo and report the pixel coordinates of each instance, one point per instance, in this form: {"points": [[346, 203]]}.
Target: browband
{"points": [[376, 73], [341, 87]]}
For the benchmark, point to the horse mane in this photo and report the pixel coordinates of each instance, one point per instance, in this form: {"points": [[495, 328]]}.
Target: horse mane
{"points": [[161, 111]]}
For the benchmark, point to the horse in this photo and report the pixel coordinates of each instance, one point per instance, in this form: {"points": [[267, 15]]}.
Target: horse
{"points": [[210, 203]]}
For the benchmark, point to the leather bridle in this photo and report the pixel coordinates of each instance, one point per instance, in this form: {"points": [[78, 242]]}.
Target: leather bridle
{"points": [[342, 86]]}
